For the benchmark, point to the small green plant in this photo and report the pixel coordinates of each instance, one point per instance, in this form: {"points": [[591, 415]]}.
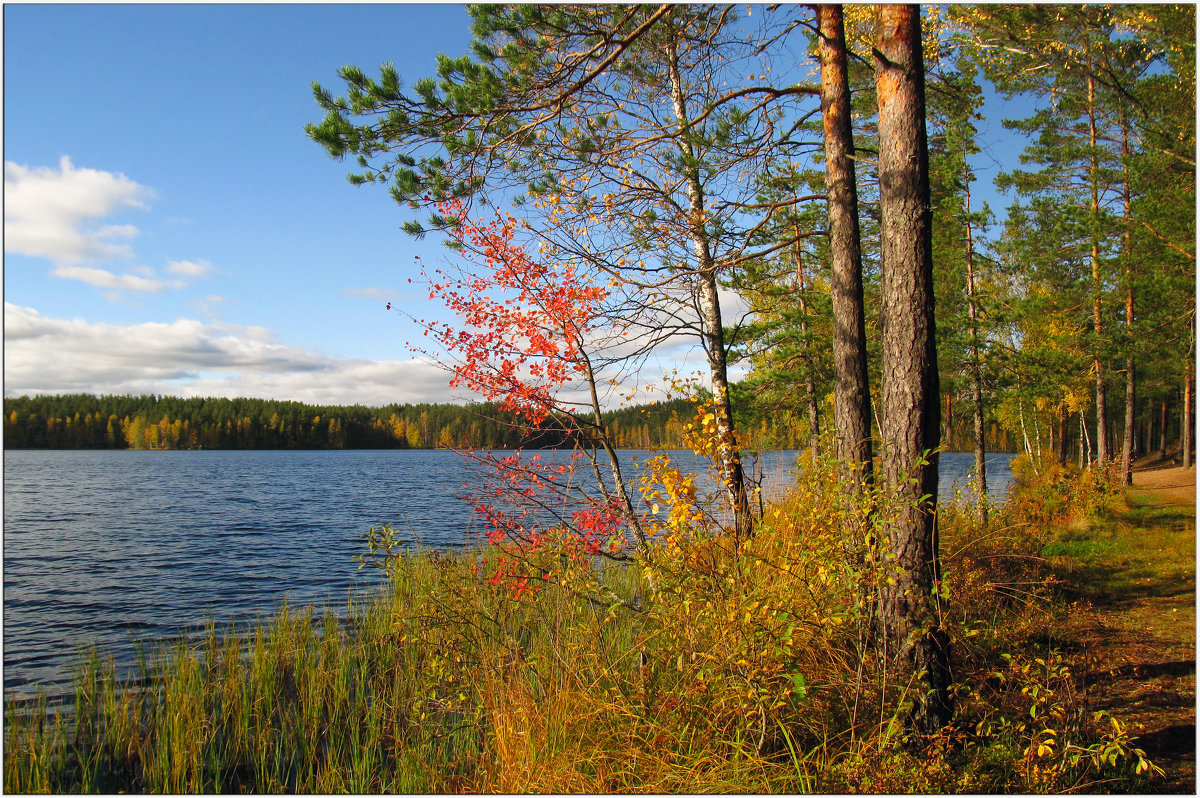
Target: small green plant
{"points": [[1032, 710]]}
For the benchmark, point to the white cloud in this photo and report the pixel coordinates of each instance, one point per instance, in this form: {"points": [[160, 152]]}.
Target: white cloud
{"points": [[734, 306], [193, 358], [211, 306], [346, 382], [50, 212], [116, 231], [56, 214], [374, 292], [187, 357], [102, 278], [189, 268]]}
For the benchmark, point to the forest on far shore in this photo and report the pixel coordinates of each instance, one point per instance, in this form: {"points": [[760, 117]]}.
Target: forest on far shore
{"points": [[84, 421]]}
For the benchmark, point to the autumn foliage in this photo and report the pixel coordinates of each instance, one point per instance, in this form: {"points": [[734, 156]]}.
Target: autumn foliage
{"points": [[524, 322], [521, 339]]}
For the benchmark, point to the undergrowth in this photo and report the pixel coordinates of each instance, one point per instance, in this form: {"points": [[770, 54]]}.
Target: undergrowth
{"points": [[710, 665]]}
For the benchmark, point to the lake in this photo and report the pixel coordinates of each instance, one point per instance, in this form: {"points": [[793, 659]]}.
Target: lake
{"points": [[111, 546]]}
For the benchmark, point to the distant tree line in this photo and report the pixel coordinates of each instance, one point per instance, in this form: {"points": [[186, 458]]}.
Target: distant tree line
{"points": [[84, 421]]}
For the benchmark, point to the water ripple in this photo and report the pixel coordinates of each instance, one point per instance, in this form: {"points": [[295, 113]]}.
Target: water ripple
{"points": [[113, 547]]}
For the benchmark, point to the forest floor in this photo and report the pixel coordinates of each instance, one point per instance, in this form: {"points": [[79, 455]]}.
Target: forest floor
{"points": [[1134, 578]]}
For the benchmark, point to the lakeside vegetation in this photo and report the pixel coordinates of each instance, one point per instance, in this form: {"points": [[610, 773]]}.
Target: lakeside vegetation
{"points": [[705, 670]]}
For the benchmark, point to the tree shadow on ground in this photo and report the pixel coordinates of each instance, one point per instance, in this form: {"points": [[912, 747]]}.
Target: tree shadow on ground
{"points": [[1093, 582], [1171, 517], [1177, 740], [1133, 573], [1103, 564], [1150, 670]]}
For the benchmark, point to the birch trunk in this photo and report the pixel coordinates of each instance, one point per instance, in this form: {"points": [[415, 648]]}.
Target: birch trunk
{"points": [[713, 333], [976, 375]]}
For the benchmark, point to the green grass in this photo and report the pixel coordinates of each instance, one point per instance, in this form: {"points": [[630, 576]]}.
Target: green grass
{"points": [[1114, 553], [1086, 549], [299, 704]]}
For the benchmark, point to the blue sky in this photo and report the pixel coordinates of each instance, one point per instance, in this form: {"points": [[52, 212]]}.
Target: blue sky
{"points": [[169, 227]]}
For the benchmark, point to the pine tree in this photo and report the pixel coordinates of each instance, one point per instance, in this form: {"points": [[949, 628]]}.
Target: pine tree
{"points": [[909, 418]]}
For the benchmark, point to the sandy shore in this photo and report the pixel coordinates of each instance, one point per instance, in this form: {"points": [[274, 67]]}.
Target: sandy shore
{"points": [[1171, 483]]}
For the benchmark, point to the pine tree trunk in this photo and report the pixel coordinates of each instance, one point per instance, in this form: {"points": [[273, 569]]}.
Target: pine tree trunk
{"points": [[852, 397], [1097, 322], [980, 451], [909, 610], [814, 416], [1130, 388], [1127, 438], [1162, 433], [1185, 437], [948, 426]]}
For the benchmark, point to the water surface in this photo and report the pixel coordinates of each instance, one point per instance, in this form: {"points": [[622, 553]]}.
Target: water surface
{"points": [[107, 546]]}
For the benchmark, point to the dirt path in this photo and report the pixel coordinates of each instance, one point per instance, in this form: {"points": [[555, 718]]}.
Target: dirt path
{"points": [[1135, 577], [1165, 482]]}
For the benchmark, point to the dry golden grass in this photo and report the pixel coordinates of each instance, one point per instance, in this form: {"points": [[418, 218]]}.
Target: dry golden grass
{"points": [[713, 666]]}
